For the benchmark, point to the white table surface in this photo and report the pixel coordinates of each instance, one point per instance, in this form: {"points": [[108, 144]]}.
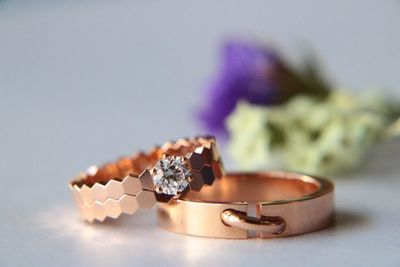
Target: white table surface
{"points": [[83, 82]]}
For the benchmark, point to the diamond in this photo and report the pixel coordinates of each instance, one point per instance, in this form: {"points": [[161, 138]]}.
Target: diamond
{"points": [[171, 175]]}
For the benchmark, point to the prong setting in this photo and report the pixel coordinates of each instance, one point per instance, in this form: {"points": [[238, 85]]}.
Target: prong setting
{"points": [[171, 175]]}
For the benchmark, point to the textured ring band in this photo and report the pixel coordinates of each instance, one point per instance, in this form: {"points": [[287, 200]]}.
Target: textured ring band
{"points": [[244, 205], [143, 179]]}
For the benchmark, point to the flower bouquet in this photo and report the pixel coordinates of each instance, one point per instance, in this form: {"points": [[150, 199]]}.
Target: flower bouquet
{"points": [[267, 109]]}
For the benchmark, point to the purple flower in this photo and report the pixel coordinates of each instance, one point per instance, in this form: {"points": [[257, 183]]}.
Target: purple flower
{"points": [[248, 72]]}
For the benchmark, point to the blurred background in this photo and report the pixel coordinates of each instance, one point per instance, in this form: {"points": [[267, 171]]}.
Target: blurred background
{"points": [[84, 82]]}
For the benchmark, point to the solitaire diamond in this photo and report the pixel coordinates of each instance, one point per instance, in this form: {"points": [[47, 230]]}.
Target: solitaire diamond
{"points": [[171, 175]]}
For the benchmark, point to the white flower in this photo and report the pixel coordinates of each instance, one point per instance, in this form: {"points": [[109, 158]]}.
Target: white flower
{"points": [[249, 140], [313, 136]]}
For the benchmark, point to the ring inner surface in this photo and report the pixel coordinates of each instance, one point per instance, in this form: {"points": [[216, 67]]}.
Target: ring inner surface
{"points": [[259, 187]]}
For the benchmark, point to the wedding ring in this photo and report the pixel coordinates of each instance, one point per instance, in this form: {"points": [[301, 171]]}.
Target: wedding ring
{"points": [[141, 180], [245, 205]]}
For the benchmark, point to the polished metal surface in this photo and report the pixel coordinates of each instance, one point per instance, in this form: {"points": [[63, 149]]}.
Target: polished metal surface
{"points": [[282, 203], [127, 185]]}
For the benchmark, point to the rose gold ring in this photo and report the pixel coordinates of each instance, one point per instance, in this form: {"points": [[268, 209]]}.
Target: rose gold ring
{"points": [[245, 205], [143, 179]]}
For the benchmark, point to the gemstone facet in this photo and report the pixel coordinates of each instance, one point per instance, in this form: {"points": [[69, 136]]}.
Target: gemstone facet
{"points": [[171, 175]]}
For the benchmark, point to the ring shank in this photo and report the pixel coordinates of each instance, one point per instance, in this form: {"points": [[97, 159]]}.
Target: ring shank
{"points": [[305, 203], [255, 187], [127, 185]]}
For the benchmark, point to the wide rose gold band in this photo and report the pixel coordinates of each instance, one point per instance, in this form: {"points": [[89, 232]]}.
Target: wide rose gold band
{"points": [[245, 205], [126, 185]]}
